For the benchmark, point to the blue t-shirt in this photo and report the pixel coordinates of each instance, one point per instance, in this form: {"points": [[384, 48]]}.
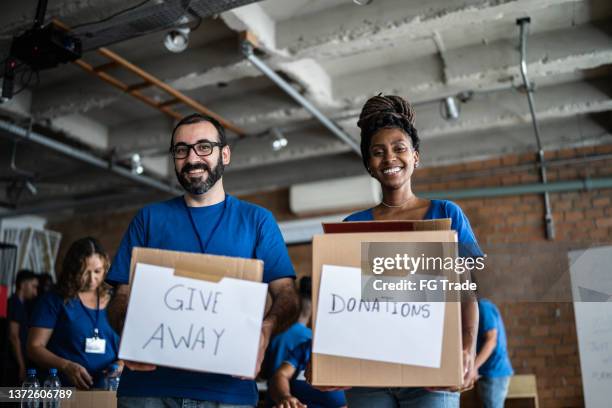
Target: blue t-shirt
{"points": [[304, 392], [280, 345], [230, 228], [498, 364], [72, 322], [468, 246], [19, 312]]}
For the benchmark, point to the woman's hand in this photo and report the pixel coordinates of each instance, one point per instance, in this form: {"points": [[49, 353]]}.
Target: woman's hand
{"points": [[470, 374], [78, 375], [290, 402]]}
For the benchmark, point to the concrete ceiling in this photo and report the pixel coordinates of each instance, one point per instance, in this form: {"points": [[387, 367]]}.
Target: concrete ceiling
{"points": [[337, 54]]}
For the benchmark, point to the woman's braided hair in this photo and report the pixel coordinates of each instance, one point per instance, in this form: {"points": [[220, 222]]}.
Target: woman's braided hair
{"points": [[383, 112]]}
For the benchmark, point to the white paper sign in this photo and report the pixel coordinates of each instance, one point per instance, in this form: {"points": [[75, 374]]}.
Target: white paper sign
{"points": [[394, 332], [592, 291], [193, 324]]}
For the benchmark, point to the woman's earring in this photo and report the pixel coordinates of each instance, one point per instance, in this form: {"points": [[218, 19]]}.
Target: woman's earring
{"points": [[416, 164]]}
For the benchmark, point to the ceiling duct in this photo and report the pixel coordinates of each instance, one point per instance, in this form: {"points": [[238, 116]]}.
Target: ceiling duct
{"points": [[151, 17]]}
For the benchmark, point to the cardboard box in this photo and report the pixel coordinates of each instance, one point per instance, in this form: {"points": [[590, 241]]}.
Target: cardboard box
{"points": [[199, 266], [344, 249], [91, 399]]}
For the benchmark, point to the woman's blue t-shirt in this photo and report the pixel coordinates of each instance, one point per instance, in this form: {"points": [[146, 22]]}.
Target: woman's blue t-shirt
{"points": [[72, 322], [468, 246]]}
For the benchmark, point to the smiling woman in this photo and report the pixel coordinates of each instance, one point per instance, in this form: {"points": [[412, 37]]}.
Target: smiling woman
{"points": [[390, 150], [69, 328]]}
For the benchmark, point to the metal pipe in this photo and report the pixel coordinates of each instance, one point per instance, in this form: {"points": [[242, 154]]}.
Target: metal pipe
{"points": [[486, 192], [63, 205], [41, 10], [550, 225], [19, 133], [535, 188], [247, 49]]}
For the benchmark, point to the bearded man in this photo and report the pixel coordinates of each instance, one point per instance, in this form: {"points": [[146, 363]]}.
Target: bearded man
{"points": [[204, 220]]}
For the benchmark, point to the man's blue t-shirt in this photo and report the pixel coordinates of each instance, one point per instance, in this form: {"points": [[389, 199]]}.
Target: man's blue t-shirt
{"points": [[498, 364], [72, 322], [281, 344], [230, 228], [304, 392], [18, 312], [468, 246]]}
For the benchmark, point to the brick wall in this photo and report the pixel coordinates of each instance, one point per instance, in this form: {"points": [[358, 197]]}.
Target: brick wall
{"points": [[541, 336]]}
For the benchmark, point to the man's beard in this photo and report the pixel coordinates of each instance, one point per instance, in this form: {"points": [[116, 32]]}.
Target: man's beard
{"points": [[199, 186]]}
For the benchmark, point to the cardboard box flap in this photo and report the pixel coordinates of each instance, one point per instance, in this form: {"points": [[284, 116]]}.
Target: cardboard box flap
{"points": [[440, 224], [199, 266]]}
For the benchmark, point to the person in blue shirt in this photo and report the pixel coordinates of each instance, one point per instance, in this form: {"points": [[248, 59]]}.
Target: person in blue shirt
{"points": [[287, 358], [204, 220], [492, 361], [69, 329], [298, 333], [19, 308], [289, 389], [390, 153]]}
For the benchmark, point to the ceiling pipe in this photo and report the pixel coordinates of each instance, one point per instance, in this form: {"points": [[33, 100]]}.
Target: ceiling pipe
{"points": [[550, 223], [586, 184], [248, 51], [19, 133]]}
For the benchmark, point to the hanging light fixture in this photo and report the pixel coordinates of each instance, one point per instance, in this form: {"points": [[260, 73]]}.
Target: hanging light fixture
{"points": [[136, 163], [279, 141], [177, 39], [451, 108]]}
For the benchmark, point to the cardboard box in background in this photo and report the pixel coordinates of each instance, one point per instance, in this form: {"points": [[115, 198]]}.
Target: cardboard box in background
{"points": [[91, 399], [344, 249]]}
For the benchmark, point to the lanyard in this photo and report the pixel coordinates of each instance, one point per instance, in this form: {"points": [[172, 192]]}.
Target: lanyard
{"points": [[204, 246], [94, 322]]}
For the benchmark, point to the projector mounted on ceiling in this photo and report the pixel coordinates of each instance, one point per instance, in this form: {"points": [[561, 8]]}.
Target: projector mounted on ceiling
{"points": [[39, 48], [46, 47]]}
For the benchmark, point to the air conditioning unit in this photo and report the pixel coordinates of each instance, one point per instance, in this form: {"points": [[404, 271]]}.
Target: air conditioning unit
{"points": [[334, 195]]}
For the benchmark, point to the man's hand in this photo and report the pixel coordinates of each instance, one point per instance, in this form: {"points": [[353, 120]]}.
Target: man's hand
{"points": [[264, 341], [134, 366], [290, 402], [78, 375]]}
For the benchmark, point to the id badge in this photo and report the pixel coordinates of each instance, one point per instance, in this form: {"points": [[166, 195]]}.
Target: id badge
{"points": [[95, 345]]}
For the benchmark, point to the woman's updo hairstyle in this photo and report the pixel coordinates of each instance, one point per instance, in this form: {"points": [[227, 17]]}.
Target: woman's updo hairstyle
{"points": [[384, 112]]}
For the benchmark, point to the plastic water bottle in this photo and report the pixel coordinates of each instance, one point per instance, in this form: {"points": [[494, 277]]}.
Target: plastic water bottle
{"points": [[112, 378], [51, 384], [30, 383]]}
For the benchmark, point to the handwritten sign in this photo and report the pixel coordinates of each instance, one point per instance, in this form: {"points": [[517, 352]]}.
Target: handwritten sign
{"points": [[375, 329], [193, 324], [592, 293]]}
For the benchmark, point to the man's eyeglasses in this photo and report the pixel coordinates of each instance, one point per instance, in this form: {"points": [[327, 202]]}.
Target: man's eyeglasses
{"points": [[181, 150]]}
